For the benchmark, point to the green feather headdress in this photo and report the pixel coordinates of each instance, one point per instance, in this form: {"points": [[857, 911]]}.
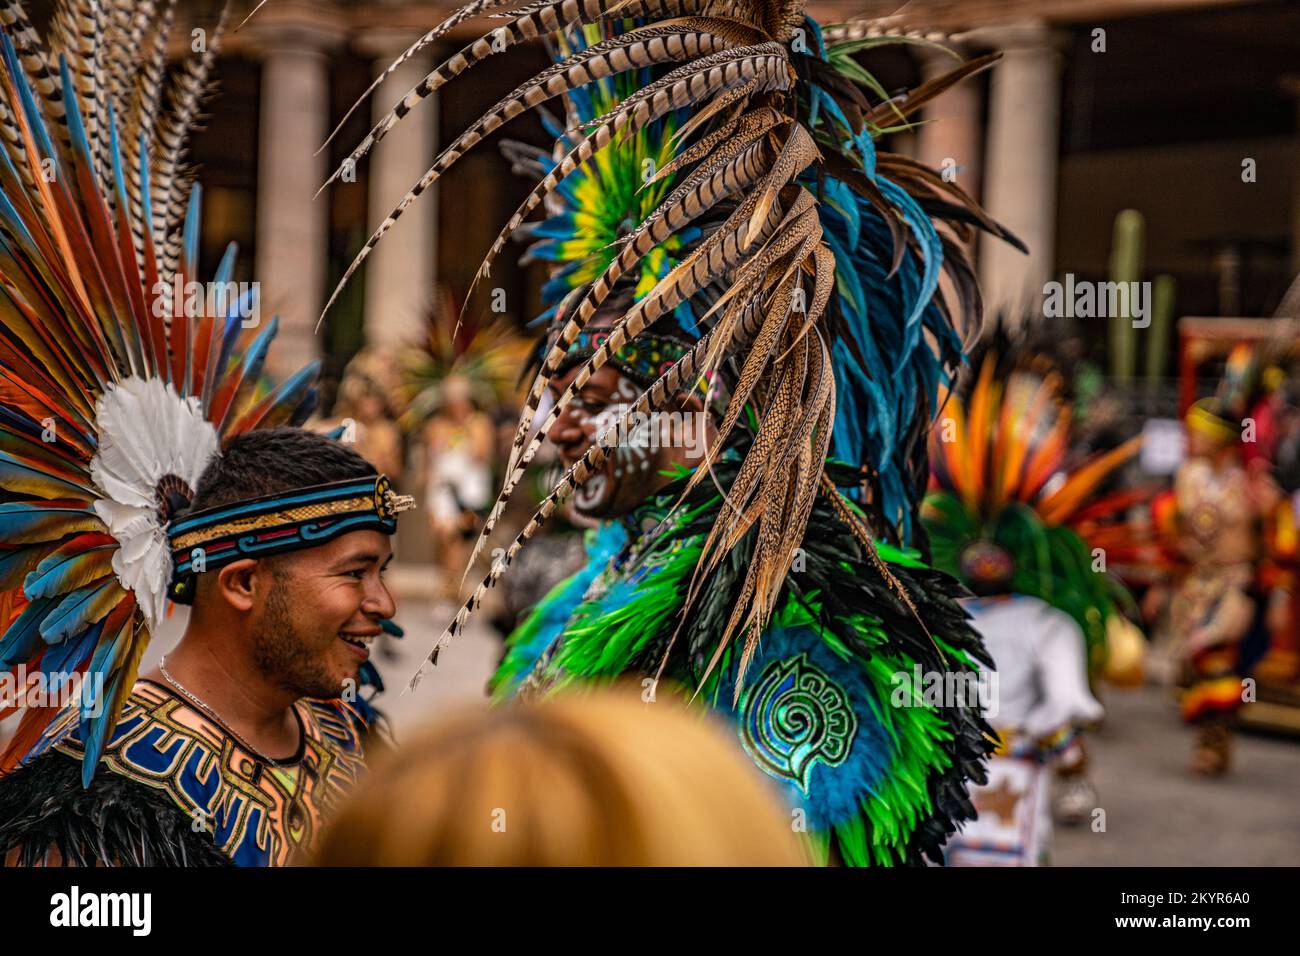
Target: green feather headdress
{"points": [[1006, 496]]}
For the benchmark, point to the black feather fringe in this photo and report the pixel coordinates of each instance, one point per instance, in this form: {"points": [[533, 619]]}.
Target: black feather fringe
{"points": [[114, 822]]}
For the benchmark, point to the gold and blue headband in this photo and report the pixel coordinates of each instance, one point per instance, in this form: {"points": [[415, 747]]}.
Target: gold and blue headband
{"points": [[273, 524]]}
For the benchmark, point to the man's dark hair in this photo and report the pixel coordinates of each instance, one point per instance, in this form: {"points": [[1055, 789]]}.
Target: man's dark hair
{"points": [[272, 460]]}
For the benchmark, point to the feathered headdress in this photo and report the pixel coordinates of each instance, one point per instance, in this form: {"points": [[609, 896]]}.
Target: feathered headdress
{"points": [[1009, 510], [120, 375], [818, 276], [488, 356]]}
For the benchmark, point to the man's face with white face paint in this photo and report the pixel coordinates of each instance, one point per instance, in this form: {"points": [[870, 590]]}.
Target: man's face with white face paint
{"points": [[636, 469]]}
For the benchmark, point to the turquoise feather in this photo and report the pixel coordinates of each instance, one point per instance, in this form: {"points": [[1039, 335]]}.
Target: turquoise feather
{"points": [[54, 574], [72, 614]]}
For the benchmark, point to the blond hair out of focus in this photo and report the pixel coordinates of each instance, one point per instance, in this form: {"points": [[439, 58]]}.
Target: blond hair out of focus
{"points": [[591, 778]]}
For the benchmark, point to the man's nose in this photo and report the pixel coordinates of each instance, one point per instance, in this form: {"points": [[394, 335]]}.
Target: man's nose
{"points": [[379, 601], [567, 429]]}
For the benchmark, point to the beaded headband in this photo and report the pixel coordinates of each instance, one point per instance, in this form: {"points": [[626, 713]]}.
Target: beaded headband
{"points": [[642, 360], [273, 524]]}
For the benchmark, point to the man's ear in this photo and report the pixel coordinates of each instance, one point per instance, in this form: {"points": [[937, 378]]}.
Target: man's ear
{"points": [[237, 583]]}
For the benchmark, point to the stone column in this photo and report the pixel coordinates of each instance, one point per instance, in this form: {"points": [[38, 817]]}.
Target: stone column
{"points": [[402, 270], [952, 137], [1291, 85], [1020, 166], [294, 40]]}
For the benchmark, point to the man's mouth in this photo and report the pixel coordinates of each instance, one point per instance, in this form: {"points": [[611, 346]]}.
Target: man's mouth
{"points": [[359, 642]]}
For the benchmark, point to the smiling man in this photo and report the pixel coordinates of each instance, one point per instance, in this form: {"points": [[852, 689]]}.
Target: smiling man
{"points": [[236, 746]]}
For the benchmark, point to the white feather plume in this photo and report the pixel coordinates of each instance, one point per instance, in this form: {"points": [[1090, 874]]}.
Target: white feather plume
{"points": [[146, 431]]}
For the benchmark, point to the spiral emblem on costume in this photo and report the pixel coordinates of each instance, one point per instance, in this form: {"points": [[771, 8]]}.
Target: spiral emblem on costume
{"points": [[795, 716]]}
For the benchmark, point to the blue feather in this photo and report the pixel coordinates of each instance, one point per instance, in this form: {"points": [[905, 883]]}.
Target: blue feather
{"points": [[23, 639], [115, 151], [226, 267], [69, 617], [18, 518], [97, 714], [924, 231], [146, 199], [71, 653], [190, 231], [12, 219], [306, 409], [76, 128], [33, 113], [255, 357], [50, 576]]}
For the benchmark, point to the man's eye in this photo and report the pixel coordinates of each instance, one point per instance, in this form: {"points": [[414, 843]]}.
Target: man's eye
{"points": [[358, 573]]}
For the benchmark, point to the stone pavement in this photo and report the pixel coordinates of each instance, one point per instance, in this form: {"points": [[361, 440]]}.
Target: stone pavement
{"points": [[1157, 814]]}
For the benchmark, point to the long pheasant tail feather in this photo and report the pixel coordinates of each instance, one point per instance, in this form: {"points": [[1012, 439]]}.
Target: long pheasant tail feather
{"points": [[765, 62], [141, 131], [682, 87], [528, 23], [713, 182], [596, 140], [716, 256], [695, 196], [42, 73], [763, 332], [758, 359], [640, 48], [750, 152], [251, 13], [467, 12], [191, 86]]}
